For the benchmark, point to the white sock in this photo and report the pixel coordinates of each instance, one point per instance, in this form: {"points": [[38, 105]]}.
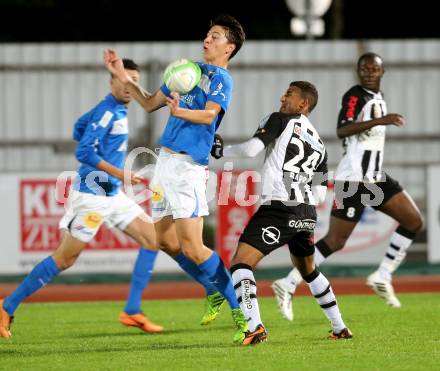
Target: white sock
{"points": [[395, 253], [323, 293], [246, 292], [318, 258], [294, 278]]}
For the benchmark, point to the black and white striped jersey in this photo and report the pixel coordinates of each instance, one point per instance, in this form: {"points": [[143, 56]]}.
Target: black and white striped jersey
{"points": [[295, 159], [363, 153]]}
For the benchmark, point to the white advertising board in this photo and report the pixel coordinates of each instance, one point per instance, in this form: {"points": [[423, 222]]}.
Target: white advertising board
{"points": [[29, 221], [29, 229]]}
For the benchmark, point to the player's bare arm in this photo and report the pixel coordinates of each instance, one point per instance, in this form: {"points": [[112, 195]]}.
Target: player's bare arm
{"points": [[150, 102], [359, 127], [119, 173], [204, 117]]}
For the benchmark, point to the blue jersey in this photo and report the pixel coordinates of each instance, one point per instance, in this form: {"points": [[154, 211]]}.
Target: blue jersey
{"points": [[195, 139], [102, 134]]}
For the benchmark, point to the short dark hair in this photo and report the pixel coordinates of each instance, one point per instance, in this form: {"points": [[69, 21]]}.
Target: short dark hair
{"points": [[308, 91], [129, 64], [368, 55], [234, 30]]}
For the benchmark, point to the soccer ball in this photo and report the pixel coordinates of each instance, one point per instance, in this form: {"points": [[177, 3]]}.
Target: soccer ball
{"points": [[182, 76]]}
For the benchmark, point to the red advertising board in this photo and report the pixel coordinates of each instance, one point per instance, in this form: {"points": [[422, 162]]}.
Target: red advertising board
{"points": [[236, 204], [40, 213]]}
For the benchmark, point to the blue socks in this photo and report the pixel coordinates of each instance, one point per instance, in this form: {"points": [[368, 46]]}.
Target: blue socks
{"points": [[41, 275], [193, 270], [214, 268], [140, 277]]}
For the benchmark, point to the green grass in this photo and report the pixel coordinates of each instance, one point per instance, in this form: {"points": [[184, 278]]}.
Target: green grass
{"points": [[86, 336]]}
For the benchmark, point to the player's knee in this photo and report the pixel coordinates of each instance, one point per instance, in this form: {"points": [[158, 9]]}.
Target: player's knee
{"points": [[417, 224], [192, 252], [148, 241], [235, 260], [305, 271], [170, 249], [193, 243], [170, 246], [250, 261], [422, 224]]}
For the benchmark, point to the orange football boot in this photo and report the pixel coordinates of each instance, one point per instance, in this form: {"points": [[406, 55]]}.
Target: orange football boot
{"points": [[5, 322], [344, 334], [139, 320]]}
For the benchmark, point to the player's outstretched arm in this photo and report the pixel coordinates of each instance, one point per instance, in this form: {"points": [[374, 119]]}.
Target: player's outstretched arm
{"points": [[359, 127], [119, 173], [150, 102], [250, 148]]}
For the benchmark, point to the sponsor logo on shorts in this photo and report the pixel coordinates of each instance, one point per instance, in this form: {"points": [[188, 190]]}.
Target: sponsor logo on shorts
{"points": [[271, 235], [304, 224], [157, 193], [92, 220]]}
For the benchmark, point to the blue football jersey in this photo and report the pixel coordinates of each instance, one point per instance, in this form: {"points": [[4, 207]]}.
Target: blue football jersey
{"points": [[80, 125], [103, 135], [195, 139]]}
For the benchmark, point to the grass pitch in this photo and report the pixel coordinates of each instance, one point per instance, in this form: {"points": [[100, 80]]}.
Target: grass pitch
{"points": [[87, 336]]}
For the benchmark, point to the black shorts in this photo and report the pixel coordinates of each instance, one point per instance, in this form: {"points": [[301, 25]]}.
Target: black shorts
{"points": [[275, 224], [367, 194]]}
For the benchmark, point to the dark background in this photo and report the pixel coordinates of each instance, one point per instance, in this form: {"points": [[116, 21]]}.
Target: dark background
{"points": [[141, 20]]}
